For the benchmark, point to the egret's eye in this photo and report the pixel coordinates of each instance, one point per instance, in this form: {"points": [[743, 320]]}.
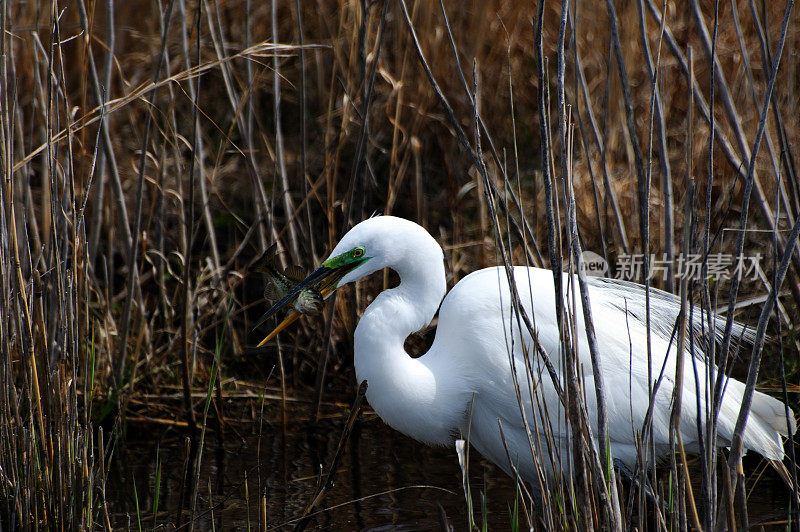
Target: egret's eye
{"points": [[358, 252]]}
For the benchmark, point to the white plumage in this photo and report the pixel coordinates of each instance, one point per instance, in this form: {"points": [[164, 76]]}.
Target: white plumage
{"points": [[464, 382]]}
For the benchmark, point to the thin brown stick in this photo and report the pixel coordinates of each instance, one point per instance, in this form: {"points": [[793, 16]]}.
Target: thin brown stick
{"points": [[327, 479]]}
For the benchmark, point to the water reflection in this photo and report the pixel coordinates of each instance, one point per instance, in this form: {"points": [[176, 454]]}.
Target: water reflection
{"points": [[261, 473], [384, 480]]}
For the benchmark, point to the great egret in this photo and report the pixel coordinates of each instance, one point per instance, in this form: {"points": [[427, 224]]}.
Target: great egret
{"points": [[464, 383]]}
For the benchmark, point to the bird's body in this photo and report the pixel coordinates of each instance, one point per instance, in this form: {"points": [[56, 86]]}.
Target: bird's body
{"points": [[464, 385]]}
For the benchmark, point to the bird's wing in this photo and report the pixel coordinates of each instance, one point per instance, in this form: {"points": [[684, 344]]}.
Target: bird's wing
{"points": [[664, 311]]}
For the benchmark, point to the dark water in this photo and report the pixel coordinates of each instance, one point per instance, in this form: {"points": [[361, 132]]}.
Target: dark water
{"points": [[384, 481]]}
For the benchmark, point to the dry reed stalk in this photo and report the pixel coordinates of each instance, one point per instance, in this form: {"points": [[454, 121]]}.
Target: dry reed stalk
{"points": [[326, 480]]}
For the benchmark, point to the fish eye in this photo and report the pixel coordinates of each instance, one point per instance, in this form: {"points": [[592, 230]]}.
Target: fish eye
{"points": [[358, 252]]}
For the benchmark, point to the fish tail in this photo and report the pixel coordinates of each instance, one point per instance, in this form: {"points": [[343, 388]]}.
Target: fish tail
{"points": [[266, 263]]}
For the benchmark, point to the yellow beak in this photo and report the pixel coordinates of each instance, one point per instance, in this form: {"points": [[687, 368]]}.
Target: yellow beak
{"points": [[293, 315], [288, 320]]}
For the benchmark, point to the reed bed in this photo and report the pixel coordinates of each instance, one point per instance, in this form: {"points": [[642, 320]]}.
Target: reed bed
{"points": [[151, 151]]}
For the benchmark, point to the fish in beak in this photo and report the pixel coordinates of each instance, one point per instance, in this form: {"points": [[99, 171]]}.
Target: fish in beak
{"points": [[322, 281], [280, 282]]}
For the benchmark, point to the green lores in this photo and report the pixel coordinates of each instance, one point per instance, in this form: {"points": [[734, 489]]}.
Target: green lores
{"points": [[348, 261]]}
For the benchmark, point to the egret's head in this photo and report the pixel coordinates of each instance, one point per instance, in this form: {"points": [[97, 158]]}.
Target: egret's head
{"points": [[380, 242], [368, 247], [339, 269]]}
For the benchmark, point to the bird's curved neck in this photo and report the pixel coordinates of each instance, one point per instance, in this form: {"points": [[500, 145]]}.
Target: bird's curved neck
{"points": [[404, 391], [405, 309]]}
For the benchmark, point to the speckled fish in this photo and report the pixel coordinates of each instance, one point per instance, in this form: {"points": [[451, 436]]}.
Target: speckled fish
{"points": [[280, 284]]}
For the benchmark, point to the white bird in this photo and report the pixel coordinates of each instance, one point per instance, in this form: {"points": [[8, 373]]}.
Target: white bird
{"points": [[465, 383]]}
